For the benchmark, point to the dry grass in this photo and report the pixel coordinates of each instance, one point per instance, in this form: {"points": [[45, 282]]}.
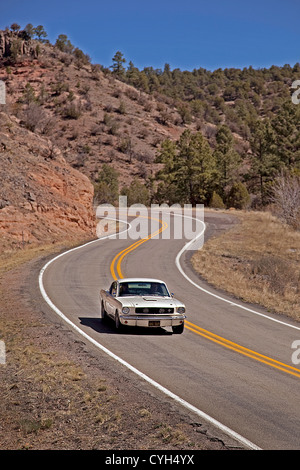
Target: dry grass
{"points": [[11, 257], [258, 261]]}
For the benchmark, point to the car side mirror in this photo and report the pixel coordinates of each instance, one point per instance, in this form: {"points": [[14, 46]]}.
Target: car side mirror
{"points": [[172, 294]]}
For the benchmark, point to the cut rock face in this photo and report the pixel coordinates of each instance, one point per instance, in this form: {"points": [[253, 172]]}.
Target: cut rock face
{"points": [[41, 200]]}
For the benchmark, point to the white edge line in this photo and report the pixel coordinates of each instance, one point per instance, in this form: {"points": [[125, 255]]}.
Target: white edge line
{"points": [[177, 261], [164, 390]]}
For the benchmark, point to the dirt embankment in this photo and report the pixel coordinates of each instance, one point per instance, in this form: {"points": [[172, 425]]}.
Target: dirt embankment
{"points": [[42, 198]]}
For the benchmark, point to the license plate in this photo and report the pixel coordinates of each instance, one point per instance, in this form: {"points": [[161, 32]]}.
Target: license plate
{"points": [[154, 323]]}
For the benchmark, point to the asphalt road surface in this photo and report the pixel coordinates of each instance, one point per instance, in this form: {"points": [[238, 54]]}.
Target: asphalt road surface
{"points": [[233, 364]]}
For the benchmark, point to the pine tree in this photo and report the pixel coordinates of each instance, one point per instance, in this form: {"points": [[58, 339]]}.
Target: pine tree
{"points": [[137, 193], [15, 27], [264, 161], [132, 75], [216, 201], [29, 30], [107, 185], [227, 159], [189, 168], [117, 67], [287, 129], [64, 44], [40, 32], [238, 197]]}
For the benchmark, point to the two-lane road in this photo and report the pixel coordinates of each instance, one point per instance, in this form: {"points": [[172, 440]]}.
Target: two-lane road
{"points": [[234, 364]]}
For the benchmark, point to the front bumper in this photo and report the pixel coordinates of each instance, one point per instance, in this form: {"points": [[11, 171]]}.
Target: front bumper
{"points": [[151, 321]]}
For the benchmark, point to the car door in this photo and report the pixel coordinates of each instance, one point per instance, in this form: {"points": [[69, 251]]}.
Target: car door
{"points": [[110, 305]]}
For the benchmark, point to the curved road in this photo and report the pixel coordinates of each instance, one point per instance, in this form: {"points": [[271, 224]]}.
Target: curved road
{"points": [[234, 364]]}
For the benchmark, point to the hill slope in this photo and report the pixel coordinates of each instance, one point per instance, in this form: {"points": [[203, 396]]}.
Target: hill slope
{"points": [[90, 116]]}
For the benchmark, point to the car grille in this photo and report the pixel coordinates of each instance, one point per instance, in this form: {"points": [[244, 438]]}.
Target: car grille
{"points": [[154, 310]]}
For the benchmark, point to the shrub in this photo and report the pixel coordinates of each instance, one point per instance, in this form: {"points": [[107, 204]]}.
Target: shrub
{"points": [[216, 201], [286, 198], [107, 186], [72, 110], [136, 193], [122, 108], [238, 196], [278, 273], [125, 145], [33, 115]]}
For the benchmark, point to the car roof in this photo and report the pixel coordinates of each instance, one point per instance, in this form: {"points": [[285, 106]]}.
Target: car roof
{"points": [[140, 279]]}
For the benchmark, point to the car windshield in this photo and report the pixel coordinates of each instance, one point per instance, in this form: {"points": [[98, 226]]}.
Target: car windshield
{"points": [[143, 288]]}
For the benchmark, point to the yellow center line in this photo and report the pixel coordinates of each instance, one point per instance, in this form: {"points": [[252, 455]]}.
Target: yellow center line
{"points": [[195, 328], [242, 350], [132, 247]]}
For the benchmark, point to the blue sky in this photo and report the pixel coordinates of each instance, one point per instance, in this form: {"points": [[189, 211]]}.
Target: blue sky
{"points": [[186, 34]]}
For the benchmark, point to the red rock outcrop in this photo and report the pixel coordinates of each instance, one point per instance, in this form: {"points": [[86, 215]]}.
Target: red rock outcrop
{"points": [[42, 198]]}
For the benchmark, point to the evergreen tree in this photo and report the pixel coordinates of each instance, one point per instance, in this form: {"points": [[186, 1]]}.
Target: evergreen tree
{"points": [[137, 193], [227, 159], [106, 189], [29, 30], [15, 27], [80, 57], [216, 201], [117, 66], [133, 75], [40, 32], [64, 44], [238, 197], [189, 166], [286, 125], [264, 161]]}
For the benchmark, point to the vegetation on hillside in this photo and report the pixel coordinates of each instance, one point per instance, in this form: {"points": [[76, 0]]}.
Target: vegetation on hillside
{"points": [[240, 130], [255, 133]]}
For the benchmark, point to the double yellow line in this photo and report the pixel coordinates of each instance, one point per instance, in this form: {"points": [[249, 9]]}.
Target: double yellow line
{"points": [[242, 350], [195, 328], [132, 247]]}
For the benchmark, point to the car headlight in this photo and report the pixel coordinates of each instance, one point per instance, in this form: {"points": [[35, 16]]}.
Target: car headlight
{"points": [[125, 310], [180, 309]]}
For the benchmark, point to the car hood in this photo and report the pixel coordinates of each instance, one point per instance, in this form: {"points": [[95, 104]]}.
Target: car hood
{"points": [[150, 301]]}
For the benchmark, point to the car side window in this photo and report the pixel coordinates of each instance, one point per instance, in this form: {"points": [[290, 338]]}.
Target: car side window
{"points": [[113, 289]]}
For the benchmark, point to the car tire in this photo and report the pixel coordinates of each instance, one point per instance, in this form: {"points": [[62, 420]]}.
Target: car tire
{"points": [[178, 329], [118, 324], [103, 312]]}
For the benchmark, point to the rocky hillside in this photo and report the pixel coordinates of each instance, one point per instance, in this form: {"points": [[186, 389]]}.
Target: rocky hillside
{"points": [[66, 119], [42, 198], [88, 114], [63, 119]]}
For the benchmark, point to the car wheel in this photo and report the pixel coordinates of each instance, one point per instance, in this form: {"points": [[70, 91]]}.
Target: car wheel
{"points": [[178, 329], [103, 312], [118, 324]]}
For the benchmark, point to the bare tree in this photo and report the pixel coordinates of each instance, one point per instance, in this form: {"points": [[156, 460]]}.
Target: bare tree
{"points": [[286, 198], [33, 115]]}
